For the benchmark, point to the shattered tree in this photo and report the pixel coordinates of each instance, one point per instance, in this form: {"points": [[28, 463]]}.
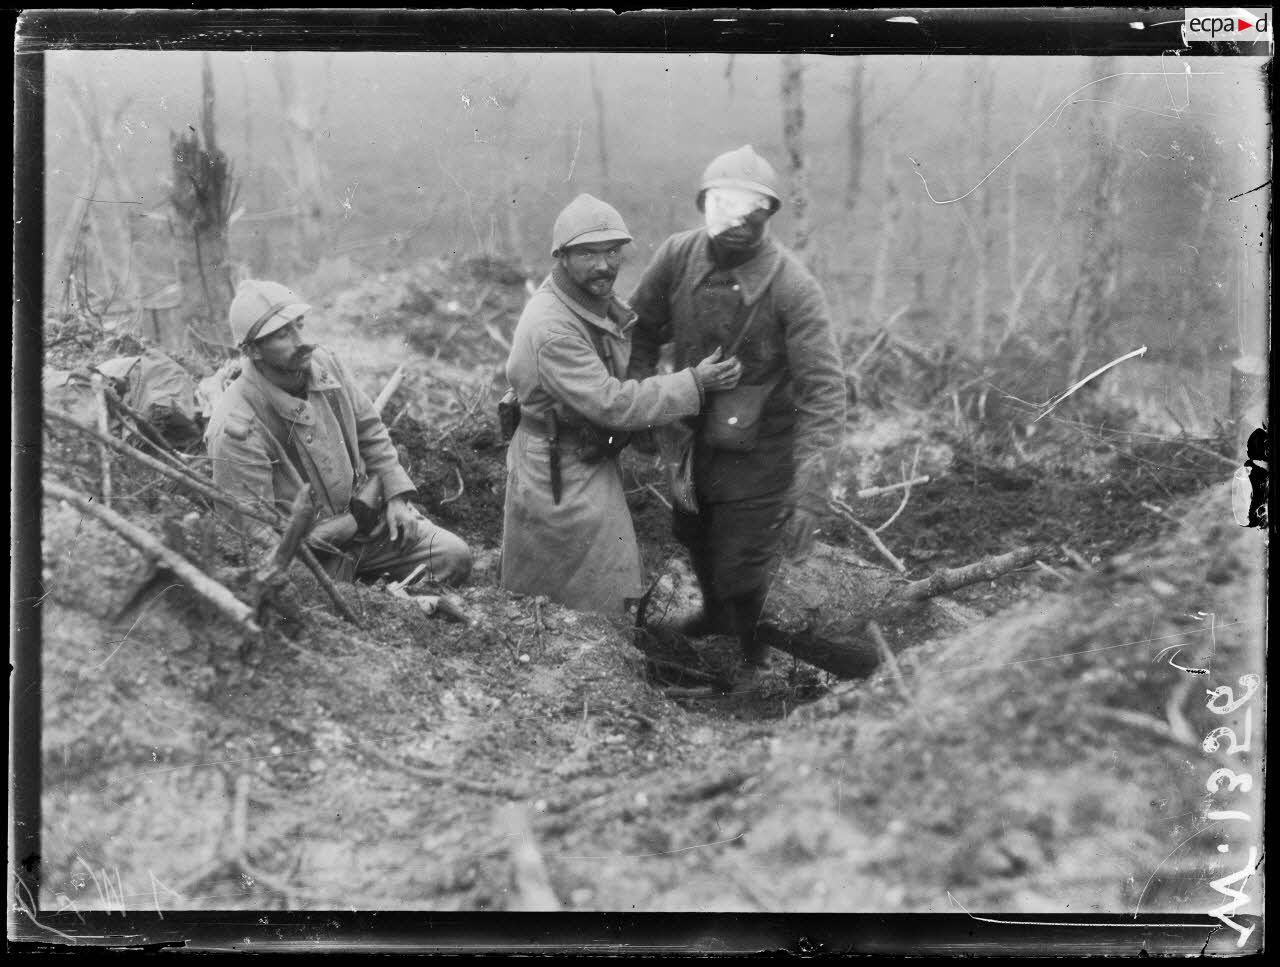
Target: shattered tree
{"points": [[202, 199]]}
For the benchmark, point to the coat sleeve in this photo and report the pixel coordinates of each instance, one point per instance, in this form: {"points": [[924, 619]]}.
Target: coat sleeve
{"points": [[376, 449], [242, 467], [818, 387], [651, 303], [570, 371]]}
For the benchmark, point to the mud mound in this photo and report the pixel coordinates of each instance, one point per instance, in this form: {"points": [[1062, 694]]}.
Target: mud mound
{"points": [[1046, 760], [1095, 498], [459, 311], [149, 735]]}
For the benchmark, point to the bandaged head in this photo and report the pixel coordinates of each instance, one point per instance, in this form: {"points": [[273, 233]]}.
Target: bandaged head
{"points": [[726, 208]]}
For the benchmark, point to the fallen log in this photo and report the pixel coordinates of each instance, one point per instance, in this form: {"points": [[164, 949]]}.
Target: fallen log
{"points": [[818, 609]]}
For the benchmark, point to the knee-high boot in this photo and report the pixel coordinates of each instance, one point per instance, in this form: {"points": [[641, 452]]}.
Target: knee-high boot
{"points": [[747, 609], [715, 617]]}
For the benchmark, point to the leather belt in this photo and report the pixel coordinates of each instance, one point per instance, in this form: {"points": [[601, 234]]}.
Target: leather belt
{"points": [[570, 433]]}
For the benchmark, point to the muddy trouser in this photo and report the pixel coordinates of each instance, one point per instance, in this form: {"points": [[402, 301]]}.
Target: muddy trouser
{"points": [[446, 555], [734, 549]]}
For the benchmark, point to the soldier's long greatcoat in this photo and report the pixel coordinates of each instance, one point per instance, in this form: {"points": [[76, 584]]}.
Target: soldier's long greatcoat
{"points": [[582, 552], [684, 299]]}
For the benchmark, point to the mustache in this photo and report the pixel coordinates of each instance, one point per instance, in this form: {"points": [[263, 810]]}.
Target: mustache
{"points": [[603, 277]]}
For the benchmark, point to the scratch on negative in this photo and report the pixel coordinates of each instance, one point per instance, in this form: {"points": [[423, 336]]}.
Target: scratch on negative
{"points": [[1056, 923], [141, 615], [1090, 651], [668, 852], [198, 765]]}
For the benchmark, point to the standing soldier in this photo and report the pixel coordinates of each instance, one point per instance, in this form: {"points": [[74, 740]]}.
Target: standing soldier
{"points": [[764, 452], [567, 531]]}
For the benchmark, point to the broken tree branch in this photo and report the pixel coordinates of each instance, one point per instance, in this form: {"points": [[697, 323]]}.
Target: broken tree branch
{"points": [[326, 582], [188, 478], [389, 390], [886, 653], [952, 578], [104, 428], [145, 429], [216, 594]]}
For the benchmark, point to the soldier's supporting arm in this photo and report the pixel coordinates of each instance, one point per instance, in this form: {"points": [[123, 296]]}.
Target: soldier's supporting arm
{"points": [[572, 373]]}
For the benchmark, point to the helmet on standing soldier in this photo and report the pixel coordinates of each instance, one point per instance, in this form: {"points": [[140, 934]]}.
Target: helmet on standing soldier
{"points": [[741, 168], [584, 220]]}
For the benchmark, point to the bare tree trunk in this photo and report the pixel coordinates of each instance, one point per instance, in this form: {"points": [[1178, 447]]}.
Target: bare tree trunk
{"points": [[602, 141], [983, 107], [793, 138], [202, 196], [1021, 280], [891, 210], [509, 197], [855, 136], [305, 171], [1093, 299]]}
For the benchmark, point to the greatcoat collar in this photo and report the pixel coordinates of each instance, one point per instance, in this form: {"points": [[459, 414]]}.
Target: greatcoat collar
{"points": [[285, 404], [753, 275]]}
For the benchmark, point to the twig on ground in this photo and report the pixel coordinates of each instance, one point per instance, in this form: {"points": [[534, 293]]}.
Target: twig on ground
{"points": [[890, 488], [1054, 571], [462, 488], [846, 512], [325, 581], [682, 670], [906, 494], [1076, 557], [1161, 511], [104, 428], [887, 654], [441, 778]]}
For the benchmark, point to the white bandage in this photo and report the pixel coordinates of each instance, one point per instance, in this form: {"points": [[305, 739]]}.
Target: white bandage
{"points": [[726, 208]]}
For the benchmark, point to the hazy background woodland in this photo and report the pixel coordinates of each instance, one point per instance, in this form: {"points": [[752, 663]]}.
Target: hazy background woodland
{"points": [[1110, 227]]}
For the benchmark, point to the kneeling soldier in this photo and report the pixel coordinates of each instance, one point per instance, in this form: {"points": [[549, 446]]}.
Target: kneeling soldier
{"points": [[295, 416]]}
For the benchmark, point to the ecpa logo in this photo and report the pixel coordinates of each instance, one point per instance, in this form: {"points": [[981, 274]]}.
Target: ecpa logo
{"points": [[1232, 25]]}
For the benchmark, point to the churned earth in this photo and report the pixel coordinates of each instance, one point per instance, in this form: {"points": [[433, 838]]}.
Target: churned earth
{"points": [[1039, 751]]}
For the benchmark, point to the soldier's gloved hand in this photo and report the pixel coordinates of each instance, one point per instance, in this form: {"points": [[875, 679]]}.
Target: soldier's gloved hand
{"points": [[714, 373], [798, 534], [402, 522]]}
